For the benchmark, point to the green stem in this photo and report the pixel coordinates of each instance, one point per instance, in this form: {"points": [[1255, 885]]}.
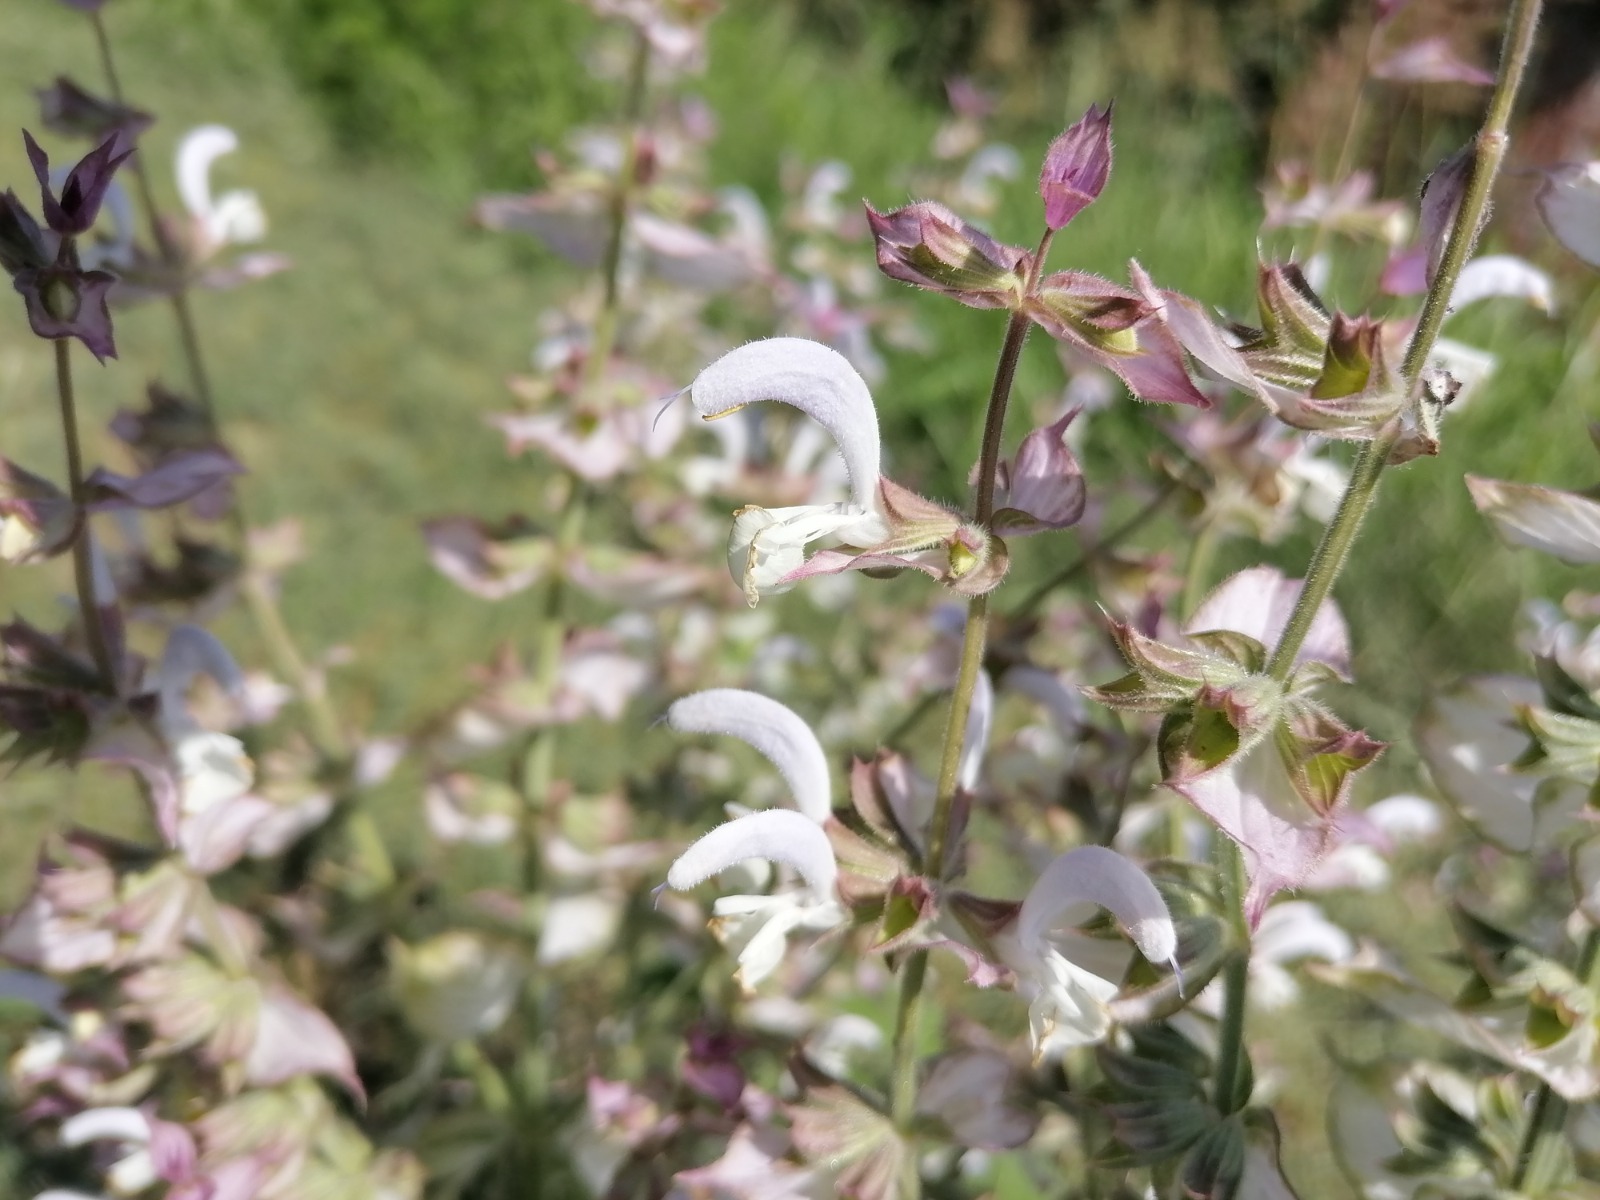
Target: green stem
{"points": [[1549, 1110], [1235, 979], [82, 540], [1489, 152]]}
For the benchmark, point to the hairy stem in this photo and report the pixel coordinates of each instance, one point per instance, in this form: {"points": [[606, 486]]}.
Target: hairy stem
{"points": [[1334, 548], [1489, 152], [82, 540]]}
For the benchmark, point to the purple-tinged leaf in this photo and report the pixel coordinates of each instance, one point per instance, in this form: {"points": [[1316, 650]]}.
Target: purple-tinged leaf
{"points": [[1441, 198], [1043, 485], [177, 478], [66, 108], [491, 562], [64, 303], [23, 246], [294, 1038]]}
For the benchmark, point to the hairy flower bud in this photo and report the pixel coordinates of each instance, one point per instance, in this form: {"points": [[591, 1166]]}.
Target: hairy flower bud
{"points": [[928, 246], [1076, 167]]}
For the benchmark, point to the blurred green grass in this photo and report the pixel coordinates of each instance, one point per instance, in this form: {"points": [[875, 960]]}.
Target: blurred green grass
{"points": [[354, 386]]}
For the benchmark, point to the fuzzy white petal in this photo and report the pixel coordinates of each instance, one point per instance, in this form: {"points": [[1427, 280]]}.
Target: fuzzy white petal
{"points": [[776, 835], [813, 378], [95, 1124], [774, 729], [196, 152], [1096, 875]]}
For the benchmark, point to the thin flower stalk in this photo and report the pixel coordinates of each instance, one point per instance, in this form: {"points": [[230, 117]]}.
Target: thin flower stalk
{"points": [[1489, 152], [82, 543], [1334, 548]]}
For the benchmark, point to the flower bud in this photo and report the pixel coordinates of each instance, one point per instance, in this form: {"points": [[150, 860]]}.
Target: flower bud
{"points": [[928, 246], [1076, 167]]}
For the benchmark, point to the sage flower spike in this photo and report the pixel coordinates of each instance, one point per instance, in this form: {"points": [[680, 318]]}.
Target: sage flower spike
{"points": [[770, 727], [1069, 978]]}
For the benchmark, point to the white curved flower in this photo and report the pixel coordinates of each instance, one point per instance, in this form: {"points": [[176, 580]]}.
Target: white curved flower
{"points": [[768, 545], [770, 727], [1069, 978], [756, 928], [235, 217]]}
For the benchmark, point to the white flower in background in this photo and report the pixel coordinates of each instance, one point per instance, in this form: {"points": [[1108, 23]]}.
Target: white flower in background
{"points": [[233, 218], [756, 927], [213, 768], [1069, 978]]}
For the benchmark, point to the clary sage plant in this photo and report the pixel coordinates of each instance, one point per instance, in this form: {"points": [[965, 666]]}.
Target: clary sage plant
{"points": [[1048, 949]]}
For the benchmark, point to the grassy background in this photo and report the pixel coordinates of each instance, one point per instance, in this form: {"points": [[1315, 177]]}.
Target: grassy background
{"points": [[354, 385]]}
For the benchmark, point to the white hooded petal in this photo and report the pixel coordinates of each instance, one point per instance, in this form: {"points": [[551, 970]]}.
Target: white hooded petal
{"points": [[774, 729], [97, 1124], [811, 377], [200, 148], [1068, 1006], [776, 835], [1096, 875], [975, 741]]}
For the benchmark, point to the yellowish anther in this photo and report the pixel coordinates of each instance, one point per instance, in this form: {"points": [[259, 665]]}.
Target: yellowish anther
{"points": [[717, 416], [963, 559]]}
